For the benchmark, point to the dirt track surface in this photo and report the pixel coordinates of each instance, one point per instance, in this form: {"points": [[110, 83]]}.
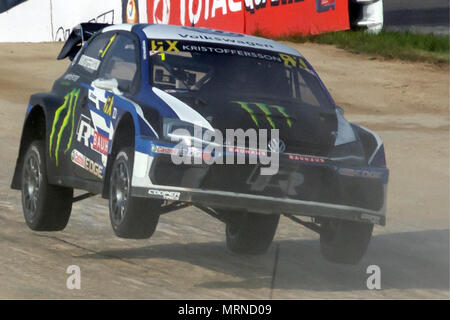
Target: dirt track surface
{"points": [[406, 103]]}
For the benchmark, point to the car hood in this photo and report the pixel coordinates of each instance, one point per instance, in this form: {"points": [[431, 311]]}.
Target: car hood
{"points": [[304, 129]]}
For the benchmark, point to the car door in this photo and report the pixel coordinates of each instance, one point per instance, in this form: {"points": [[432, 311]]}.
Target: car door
{"points": [[66, 149], [118, 65]]}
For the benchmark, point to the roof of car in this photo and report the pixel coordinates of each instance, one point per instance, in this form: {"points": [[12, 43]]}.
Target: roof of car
{"points": [[205, 35]]}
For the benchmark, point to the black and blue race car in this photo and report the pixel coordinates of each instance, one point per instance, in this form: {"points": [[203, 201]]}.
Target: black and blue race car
{"points": [[111, 126]]}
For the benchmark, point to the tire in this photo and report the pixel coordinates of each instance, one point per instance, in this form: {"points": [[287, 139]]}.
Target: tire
{"points": [[343, 241], [46, 207], [250, 233], [131, 217]]}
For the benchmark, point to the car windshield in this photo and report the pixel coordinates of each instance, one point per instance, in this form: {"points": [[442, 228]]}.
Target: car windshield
{"points": [[240, 73]]}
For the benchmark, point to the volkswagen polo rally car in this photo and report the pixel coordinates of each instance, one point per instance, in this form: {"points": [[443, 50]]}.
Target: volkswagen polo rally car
{"points": [[110, 126]]}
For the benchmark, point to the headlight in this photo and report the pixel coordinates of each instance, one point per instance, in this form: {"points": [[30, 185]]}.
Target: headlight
{"points": [[345, 133], [190, 134], [347, 146]]}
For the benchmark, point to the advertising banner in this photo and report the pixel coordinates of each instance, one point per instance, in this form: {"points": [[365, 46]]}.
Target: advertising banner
{"points": [[282, 17], [272, 17], [53, 20]]}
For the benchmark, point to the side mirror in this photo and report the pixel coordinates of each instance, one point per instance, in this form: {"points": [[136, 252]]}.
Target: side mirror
{"points": [[340, 110], [108, 84]]}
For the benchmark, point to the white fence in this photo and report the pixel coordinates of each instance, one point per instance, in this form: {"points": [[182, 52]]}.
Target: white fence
{"points": [[52, 20]]}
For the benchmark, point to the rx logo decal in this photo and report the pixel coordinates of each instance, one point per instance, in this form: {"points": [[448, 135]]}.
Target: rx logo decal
{"points": [[267, 111], [107, 108], [166, 45], [69, 105]]}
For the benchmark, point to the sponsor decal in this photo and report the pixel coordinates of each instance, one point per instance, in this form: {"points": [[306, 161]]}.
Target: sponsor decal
{"points": [[114, 114], [360, 173], [183, 151], [253, 5], [144, 49], [78, 158], [91, 137], [236, 52], [164, 150], [107, 108], [71, 77], [325, 5], [225, 40], [87, 164], [69, 105], [164, 194], [293, 61], [103, 51], [92, 96], [310, 159], [89, 63], [250, 152], [130, 11], [100, 143], [266, 110], [215, 32], [163, 45], [370, 218]]}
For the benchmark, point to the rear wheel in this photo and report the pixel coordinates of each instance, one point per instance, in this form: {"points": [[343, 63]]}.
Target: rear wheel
{"points": [[343, 241], [131, 217], [46, 207], [250, 233]]}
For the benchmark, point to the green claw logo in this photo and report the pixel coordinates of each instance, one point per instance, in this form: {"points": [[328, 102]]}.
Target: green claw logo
{"points": [[266, 109], [70, 103]]}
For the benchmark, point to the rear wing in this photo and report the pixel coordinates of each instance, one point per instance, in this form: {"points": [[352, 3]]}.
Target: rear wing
{"points": [[80, 34]]}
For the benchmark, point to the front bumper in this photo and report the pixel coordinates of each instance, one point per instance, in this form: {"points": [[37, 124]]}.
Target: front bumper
{"points": [[305, 185]]}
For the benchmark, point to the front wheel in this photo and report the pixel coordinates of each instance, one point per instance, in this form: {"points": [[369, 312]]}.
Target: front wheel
{"points": [[250, 233], [46, 207], [343, 241], [131, 217]]}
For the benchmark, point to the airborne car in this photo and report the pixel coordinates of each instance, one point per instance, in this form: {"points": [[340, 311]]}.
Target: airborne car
{"points": [[108, 127]]}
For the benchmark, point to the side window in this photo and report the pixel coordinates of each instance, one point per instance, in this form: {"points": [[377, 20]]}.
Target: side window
{"points": [[90, 60], [121, 62]]}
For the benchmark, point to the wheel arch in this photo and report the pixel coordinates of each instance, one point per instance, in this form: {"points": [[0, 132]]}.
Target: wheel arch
{"points": [[34, 128], [36, 124], [124, 135]]}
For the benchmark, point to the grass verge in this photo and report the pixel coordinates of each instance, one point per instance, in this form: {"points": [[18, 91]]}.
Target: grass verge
{"points": [[394, 45]]}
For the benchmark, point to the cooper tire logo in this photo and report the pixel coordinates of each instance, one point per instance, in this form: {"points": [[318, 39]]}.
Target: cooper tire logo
{"points": [[165, 15], [166, 195]]}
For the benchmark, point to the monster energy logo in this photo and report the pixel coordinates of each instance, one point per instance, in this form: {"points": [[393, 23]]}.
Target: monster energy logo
{"points": [[70, 102], [267, 110]]}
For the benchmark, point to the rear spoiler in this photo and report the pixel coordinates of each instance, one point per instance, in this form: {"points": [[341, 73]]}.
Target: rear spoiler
{"points": [[80, 34]]}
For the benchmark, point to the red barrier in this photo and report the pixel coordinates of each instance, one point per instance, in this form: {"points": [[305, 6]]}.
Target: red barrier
{"points": [[273, 17], [282, 17]]}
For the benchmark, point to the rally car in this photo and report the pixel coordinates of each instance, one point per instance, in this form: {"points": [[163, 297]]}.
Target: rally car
{"points": [[110, 126]]}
